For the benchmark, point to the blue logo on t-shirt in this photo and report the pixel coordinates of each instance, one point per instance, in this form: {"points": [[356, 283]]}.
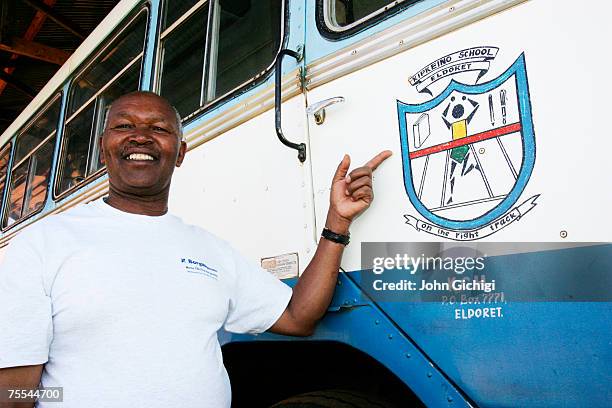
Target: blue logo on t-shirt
{"points": [[199, 267]]}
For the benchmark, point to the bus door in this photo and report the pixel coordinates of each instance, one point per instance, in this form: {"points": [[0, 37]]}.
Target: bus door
{"points": [[351, 106], [216, 64]]}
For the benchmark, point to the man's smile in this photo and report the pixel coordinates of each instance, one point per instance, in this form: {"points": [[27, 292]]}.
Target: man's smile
{"points": [[140, 157]]}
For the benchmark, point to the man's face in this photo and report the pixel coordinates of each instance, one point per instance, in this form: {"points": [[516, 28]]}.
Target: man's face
{"points": [[141, 145]]}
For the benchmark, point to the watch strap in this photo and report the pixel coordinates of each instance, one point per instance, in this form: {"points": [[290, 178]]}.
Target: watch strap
{"points": [[335, 237]]}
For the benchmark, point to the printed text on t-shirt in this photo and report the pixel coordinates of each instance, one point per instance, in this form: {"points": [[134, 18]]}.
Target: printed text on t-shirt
{"points": [[199, 267]]}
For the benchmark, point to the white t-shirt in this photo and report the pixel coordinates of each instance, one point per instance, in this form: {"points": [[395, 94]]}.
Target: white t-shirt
{"points": [[124, 309]]}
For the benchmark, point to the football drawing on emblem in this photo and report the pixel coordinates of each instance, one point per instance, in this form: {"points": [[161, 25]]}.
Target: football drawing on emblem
{"points": [[468, 152]]}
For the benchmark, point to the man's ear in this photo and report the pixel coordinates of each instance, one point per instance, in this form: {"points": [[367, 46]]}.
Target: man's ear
{"points": [[101, 149], [181, 154]]}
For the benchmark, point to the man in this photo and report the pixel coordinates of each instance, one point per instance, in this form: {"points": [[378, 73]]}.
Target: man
{"points": [[121, 301]]}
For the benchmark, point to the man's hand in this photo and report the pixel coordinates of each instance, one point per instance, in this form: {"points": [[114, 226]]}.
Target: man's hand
{"points": [[351, 194]]}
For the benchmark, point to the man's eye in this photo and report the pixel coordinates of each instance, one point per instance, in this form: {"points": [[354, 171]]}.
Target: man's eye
{"points": [[124, 126], [159, 129]]}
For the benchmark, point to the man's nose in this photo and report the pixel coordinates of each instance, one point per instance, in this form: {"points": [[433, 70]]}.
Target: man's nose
{"points": [[141, 134]]}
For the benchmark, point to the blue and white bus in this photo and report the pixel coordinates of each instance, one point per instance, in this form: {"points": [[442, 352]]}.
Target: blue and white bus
{"points": [[496, 113]]}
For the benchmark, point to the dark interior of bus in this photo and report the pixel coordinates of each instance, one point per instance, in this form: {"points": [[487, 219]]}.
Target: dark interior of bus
{"points": [[349, 11]]}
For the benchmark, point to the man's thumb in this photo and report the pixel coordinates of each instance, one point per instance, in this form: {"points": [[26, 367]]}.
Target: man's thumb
{"points": [[343, 168]]}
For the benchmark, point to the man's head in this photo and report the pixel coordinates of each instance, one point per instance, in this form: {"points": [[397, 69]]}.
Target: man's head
{"points": [[142, 144]]}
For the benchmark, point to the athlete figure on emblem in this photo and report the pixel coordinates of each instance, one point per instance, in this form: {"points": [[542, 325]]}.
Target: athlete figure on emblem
{"points": [[456, 117]]}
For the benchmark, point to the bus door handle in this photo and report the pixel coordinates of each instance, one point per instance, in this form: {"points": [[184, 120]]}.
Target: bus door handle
{"points": [[318, 109], [300, 147]]}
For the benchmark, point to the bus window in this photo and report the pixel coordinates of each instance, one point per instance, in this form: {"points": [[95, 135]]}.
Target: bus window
{"points": [[76, 148], [176, 8], [125, 50], [37, 132], [182, 63], [31, 168], [114, 72], [40, 167], [244, 37], [344, 15], [4, 159], [18, 186]]}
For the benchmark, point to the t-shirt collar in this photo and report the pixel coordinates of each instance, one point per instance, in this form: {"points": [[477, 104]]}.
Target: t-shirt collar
{"points": [[101, 205]]}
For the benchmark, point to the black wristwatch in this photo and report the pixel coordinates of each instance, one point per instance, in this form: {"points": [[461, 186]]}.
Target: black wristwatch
{"points": [[334, 237]]}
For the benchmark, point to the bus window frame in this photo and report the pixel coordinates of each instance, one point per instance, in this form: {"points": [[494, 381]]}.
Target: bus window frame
{"points": [[6, 148], [331, 31], [126, 23], [60, 156], [13, 165], [239, 89]]}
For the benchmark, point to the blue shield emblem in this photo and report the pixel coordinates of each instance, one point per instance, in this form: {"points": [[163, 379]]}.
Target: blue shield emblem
{"points": [[469, 152]]}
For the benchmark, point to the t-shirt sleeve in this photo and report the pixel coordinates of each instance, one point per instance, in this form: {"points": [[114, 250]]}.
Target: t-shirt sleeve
{"points": [[257, 298], [26, 326]]}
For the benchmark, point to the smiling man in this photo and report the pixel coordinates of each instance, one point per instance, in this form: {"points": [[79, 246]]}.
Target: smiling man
{"points": [[119, 302]]}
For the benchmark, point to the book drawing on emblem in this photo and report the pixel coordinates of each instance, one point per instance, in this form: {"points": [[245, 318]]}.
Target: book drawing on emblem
{"points": [[421, 130]]}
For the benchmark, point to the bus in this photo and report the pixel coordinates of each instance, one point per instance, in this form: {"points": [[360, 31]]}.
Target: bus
{"points": [[494, 110]]}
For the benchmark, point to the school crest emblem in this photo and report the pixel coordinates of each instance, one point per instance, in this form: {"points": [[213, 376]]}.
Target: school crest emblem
{"points": [[468, 152]]}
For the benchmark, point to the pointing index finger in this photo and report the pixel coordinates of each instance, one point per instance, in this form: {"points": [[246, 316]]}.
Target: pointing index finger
{"points": [[378, 159]]}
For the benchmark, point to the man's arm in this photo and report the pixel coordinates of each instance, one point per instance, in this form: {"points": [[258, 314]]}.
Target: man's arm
{"points": [[350, 195], [18, 378]]}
